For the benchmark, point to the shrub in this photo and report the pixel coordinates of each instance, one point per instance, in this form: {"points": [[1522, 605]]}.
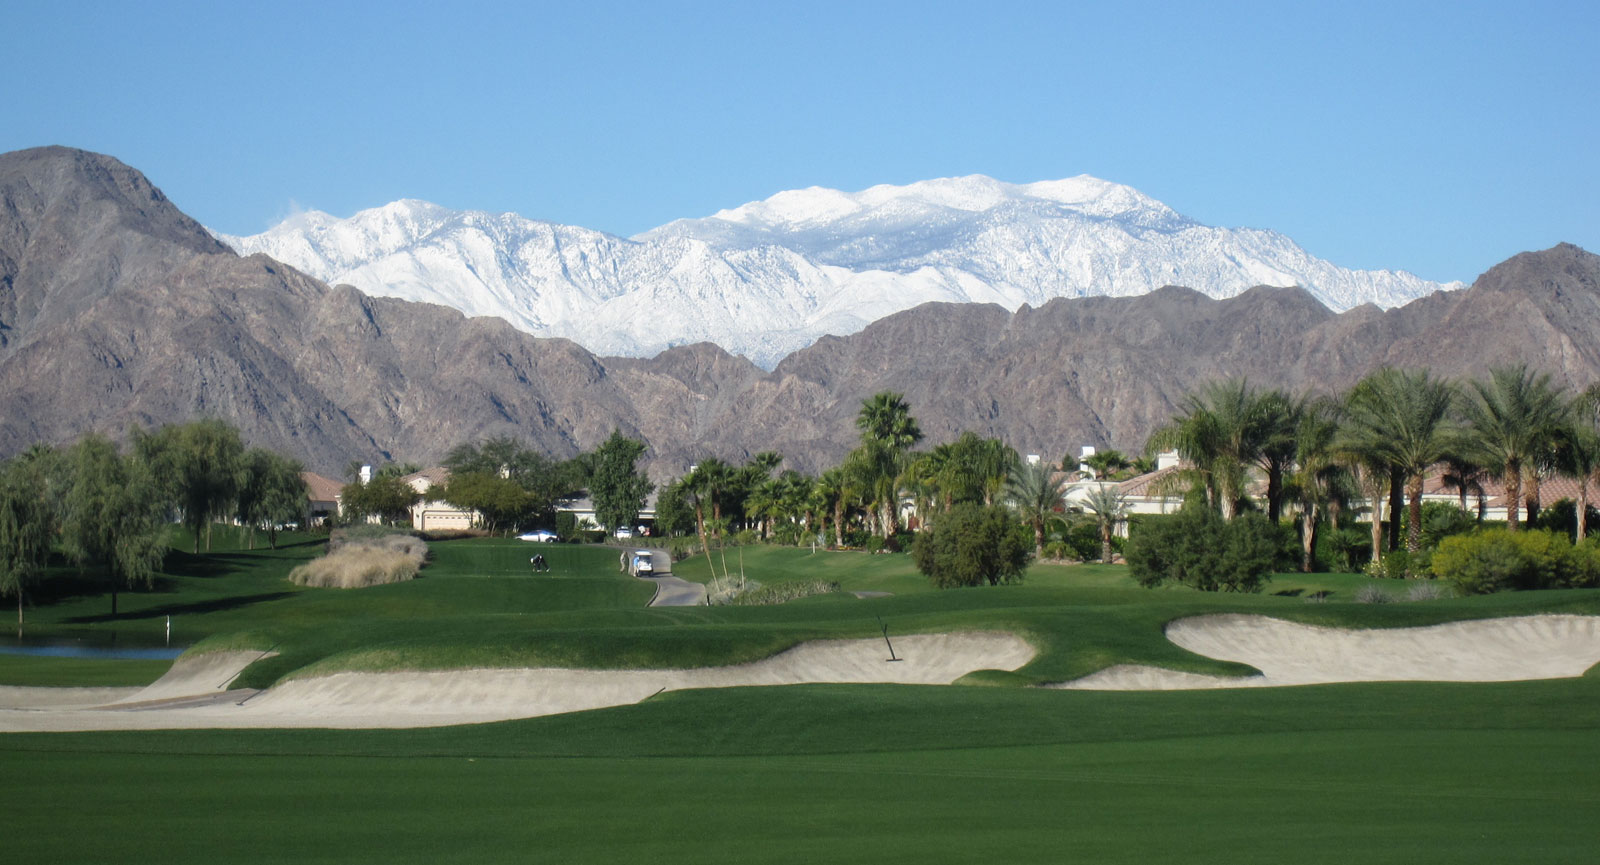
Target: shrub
{"points": [[973, 545], [1197, 548], [782, 592], [1370, 594], [362, 562], [1427, 591], [1497, 559], [1084, 539]]}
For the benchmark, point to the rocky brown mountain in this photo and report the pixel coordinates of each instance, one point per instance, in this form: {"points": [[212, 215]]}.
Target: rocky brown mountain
{"points": [[117, 309]]}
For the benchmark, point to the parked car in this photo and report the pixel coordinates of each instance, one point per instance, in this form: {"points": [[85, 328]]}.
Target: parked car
{"points": [[543, 536], [624, 532]]}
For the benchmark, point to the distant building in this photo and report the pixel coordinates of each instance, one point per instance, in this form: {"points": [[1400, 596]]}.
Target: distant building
{"points": [[432, 515], [322, 498]]}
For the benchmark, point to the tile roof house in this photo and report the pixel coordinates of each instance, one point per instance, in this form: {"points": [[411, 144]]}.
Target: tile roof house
{"points": [[322, 497]]}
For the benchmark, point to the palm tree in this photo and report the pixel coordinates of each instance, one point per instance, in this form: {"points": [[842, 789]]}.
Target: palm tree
{"points": [[1513, 417], [888, 432], [1035, 493], [1465, 477], [1401, 418], [1103, 464], [1318, 484], [1109, 507], [1220, 432]]}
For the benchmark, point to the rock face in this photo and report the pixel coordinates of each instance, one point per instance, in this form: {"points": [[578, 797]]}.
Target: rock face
{"points": [[116, 309], [773, 276]]}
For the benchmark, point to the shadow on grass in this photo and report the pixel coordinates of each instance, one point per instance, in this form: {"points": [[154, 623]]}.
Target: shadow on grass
{"points": [[212, 606]]}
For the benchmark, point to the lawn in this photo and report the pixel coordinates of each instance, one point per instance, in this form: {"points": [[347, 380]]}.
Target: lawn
{"points": [[1389, 772]]}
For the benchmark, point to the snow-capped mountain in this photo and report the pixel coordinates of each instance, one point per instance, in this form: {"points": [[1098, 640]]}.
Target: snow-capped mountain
{"points": [[772, 276]]}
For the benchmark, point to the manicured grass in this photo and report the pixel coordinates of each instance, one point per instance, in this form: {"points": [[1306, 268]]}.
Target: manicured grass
{"points": [[1369, 773], [82, 672], [1389, 772]]}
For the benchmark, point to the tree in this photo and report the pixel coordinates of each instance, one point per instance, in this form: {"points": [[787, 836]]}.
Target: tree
{"points": [[27, 524], [1221, 431], [972, 545], [1401, 419], [1109, 507], [617, 487], [114, 515], [1035, 493], [1318, 484], [1198, 548], [888, 432], [1103, 464], [204, 461], [674, 516], [500, 500], [1512, 418], [387, 498], [273, 493], [545, 480]]}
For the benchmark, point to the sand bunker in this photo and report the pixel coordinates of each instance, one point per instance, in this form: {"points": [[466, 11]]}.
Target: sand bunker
{"points": [[425, 699], [1286, 653]]}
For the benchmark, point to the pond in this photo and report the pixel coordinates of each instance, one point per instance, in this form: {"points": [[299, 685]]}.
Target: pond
{"points": [[90, 645]]}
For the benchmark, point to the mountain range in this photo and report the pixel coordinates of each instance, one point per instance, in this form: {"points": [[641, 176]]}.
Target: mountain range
{"points": [[118, 309], [771, 277]]}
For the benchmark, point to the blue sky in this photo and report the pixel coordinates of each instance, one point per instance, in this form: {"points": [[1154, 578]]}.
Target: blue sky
{"points": [[1439, 138]]}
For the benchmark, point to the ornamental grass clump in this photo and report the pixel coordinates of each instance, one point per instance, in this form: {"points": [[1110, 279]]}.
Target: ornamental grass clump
{"points": [[358, 563], [783, 592]]}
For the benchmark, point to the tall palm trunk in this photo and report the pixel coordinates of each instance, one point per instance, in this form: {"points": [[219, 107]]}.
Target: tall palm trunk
{"points": [[1513, 493], [1583, 507], [1530, 495], [1414, 531], [1308, 537], [1397, 503]]}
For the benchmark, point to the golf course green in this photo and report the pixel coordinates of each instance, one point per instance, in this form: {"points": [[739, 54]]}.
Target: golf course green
{"points": [[987, 770]]}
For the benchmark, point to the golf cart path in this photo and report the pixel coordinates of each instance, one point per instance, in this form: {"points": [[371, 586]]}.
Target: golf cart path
{"points": [[671, 591]]}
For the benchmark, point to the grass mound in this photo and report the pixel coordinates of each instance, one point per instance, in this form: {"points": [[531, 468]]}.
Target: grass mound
{"points": [[361, 562]]}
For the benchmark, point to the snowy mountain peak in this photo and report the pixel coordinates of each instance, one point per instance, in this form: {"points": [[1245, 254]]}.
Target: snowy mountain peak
{"points": [[769, 277]]}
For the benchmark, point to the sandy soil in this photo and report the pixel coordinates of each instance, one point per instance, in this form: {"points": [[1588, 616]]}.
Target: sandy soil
{"points": [[1489, 650], [423, 699]]}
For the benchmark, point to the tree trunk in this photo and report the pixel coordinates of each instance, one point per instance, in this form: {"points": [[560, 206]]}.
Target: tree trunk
{"points": [[1308, 538], [1274, 493], [1038, 547], [1414, 531], [1583, 507], [1376, 492], [838, 523], [1531, 496], [1513, 494], [1396, 504], [1105, 542]]}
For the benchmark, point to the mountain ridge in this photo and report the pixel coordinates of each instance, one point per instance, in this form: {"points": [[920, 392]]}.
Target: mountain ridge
{"points": [[151, 323], [767, 278]]}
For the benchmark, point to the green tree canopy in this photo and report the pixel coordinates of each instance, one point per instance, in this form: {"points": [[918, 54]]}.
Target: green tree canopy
{"points": [[617, 486], [273, 493], [1198, 548], [115, 518], [972, 545]]}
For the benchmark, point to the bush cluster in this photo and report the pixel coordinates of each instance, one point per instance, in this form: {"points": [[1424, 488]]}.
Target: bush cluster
{"points": [[1198, 548], [973, 545], [361, 562], [1497, 559]]}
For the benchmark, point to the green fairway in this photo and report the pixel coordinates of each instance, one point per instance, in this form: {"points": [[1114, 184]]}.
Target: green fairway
{"points": [[1370, 773], [1390, 772]]}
